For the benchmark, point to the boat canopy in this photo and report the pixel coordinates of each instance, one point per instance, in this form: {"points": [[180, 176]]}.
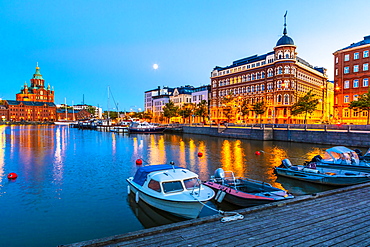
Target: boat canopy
{"points": [[142, 172], [340, 155]]}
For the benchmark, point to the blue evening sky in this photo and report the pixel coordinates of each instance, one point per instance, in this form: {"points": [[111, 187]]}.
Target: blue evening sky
{"points": [[83, 47]]}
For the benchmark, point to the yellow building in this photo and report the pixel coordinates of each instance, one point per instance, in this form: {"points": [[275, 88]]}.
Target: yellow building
{"points": [[277, 78]]}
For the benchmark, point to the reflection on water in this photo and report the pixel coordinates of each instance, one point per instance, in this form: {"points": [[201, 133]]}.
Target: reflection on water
{"points": [[72, 180]]}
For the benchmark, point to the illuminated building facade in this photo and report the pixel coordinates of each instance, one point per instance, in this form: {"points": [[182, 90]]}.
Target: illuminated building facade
{"points": [[351, 79], [277, 78], [34, 103]]}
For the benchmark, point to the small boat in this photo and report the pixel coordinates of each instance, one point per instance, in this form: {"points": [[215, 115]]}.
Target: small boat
{"points": [[145, 127], [341, 157], [321, 175], [244, 192], [170, 188]]}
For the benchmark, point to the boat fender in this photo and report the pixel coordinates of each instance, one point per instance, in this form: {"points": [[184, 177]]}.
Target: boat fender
{"points": [[137, 197], [128, 189], [220, 196], [12, 175]]}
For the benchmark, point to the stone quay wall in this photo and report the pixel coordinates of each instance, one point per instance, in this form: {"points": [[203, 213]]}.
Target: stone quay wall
{"points": [[341, 137]]}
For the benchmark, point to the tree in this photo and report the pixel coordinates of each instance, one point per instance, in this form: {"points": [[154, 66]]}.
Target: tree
{"points": [[170, 110], [228, 105], [306, 104], [259, 108], [244, 108], [201, 110], [186, 111], [91, 110], [362, 104]]}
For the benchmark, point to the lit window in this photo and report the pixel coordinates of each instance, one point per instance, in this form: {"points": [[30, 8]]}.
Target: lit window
{"points": [[346, 84], [356, 55], [355, 68], [366, 53], [355, 83], [346, 70], [365, 67], [365, 82], [346, 57], [346, 99]]}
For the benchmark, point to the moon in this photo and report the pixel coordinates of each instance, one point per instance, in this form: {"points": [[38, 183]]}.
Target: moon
{"points": [[155, 66]]}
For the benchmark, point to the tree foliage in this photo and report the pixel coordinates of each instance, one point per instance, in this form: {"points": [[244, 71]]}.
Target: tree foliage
{"points": [[305, 105], [170, 110], [201, 110], [244, 108], [259, 108], [362, 104], [227, 106], [186, 111]]}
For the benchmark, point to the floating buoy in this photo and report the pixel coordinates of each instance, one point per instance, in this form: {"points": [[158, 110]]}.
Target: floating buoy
{"points": [[200, 154], [12, 175], [257, 153], [139, 162]]}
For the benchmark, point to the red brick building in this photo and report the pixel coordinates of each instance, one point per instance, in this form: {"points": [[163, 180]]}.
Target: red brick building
{"points": [[34, 103], [351, 79]]}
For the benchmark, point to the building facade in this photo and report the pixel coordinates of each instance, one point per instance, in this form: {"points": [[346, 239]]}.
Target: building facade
{"points": [[277, 78], [351, 79]]}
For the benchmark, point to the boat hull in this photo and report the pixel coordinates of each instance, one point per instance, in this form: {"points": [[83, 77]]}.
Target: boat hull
{"points": [[184, 209], [158, 130], [323, 178], [360, 168], [243, 199]]}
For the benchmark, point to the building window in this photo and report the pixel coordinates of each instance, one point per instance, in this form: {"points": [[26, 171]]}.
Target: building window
{"points": [[336, 59], [365, 82], [280, 70], [365, 67], [355, 68], [263, 87], [346, 70], [346, 84], [355, 83], [346, 113], [355, 97], [346, 99], [356, 55], [346, 57], [336, 71], [366, 53]]}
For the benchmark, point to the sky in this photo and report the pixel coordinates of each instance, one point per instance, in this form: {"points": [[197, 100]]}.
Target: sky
{"points": [[84, 48]]}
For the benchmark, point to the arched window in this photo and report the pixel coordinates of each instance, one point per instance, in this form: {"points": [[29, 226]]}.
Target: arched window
{"points": [[253, 77], [270, 73], [286, 99], [248, 77], [280, 70], [263, 75], [258, 75], [279, 98], [263, 87], [286, 70]]}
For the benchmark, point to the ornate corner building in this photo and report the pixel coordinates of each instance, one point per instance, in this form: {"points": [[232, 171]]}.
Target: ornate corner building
{"points": [[351, 79], [277, 78]]}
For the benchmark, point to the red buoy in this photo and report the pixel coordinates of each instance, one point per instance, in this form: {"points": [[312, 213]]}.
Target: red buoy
{"points": [[12, 175], [200, 154], [257, 153], [139, 162]]}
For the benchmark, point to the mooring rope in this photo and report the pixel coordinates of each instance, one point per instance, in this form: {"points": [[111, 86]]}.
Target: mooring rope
{"points": [[236, 215]]}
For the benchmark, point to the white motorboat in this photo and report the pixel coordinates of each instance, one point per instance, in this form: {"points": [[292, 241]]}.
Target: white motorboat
{"points": [[145, 127], [170, 188]]}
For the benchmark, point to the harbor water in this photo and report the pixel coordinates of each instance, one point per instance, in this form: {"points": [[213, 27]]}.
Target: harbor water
{"points": [[72, 187]]}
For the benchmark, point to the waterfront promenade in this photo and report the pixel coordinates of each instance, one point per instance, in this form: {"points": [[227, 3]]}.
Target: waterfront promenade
{"points": [[338, 217]]}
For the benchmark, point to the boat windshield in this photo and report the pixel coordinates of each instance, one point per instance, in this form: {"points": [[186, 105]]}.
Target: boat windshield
{"points": [[154, 185], [173, 186], [191, 183]]}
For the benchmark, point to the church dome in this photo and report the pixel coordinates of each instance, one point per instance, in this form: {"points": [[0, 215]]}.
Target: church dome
{"points": [[285, 40]]}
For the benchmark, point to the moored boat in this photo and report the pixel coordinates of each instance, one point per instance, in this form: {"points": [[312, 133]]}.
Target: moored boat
{"points": [[322, 175], [341, 157], [170, 188], [244, 192], [145, 127]]}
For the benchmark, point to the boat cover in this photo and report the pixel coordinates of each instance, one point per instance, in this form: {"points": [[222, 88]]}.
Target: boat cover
{"points": [[143, 171]]}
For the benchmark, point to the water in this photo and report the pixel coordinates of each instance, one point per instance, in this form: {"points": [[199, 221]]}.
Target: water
{"points": [[71, 183]]}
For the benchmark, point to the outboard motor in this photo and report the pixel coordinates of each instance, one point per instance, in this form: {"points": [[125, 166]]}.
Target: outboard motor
{"points": [[286, 163], [219, 175]]}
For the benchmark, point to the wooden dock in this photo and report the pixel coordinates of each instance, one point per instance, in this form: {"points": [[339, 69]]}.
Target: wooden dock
{"points": [[339, 217]]}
